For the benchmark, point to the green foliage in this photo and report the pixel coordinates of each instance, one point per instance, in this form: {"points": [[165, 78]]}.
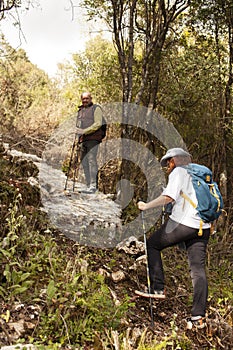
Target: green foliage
{"points": [[29, 100], [86, 309], [220, 273], [173, 341], [20, 266], [191, 89], [95, 70], [75, 307], [76, 301]]}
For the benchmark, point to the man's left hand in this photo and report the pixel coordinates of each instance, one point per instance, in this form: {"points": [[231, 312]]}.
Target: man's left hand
{"points": [[80, 131]]}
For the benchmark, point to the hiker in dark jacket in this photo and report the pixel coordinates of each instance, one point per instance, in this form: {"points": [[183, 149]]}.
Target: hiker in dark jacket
{"points": [[182, 226], [89, 122]]}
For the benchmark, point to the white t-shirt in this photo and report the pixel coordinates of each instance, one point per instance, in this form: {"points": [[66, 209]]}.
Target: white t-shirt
{"points": [[183, 212]]}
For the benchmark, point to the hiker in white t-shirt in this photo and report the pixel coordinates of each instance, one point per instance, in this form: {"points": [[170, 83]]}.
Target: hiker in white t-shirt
{"points": [[182, 227]]}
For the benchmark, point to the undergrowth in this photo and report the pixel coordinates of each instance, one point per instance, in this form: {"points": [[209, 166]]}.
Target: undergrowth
{"points": [[74, 301], [73, 304]]}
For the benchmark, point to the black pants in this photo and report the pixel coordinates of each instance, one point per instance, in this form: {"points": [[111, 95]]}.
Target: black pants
{"points": [[168, 235], [88, 157]]}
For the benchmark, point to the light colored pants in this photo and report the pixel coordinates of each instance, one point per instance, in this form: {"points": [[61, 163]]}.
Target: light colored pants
{"points": [[88, 157]]}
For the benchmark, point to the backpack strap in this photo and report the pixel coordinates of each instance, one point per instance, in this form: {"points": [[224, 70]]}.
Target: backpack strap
{"points": [[188, 199], [214, 193]]}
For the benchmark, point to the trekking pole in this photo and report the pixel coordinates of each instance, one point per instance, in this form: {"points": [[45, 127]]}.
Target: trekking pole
{"points": [[76, 167], [70, 162], [147, 268]]}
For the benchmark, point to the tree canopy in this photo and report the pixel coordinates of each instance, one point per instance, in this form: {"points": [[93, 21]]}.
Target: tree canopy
{"points": [[174, 57]]}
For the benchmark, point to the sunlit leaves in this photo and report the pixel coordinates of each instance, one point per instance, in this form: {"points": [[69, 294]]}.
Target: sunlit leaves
{"points": [[96, 70], [29, 100]]}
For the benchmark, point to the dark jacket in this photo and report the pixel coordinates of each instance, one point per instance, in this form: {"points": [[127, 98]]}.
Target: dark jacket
{"points": [[85, 119]]}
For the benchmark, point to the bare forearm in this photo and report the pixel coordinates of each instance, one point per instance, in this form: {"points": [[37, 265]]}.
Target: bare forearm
{"points": [[157, 202]]}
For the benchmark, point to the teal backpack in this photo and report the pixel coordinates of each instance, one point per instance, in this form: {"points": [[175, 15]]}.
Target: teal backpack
{"points": [[209, 198]]}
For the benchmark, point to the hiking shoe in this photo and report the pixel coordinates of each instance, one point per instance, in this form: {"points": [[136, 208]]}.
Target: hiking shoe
{"points": [[196, 323], [158, 294], [90, 190]]}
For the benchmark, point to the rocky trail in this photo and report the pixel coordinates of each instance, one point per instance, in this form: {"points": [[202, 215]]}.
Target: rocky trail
{"points": [[81, 218]]}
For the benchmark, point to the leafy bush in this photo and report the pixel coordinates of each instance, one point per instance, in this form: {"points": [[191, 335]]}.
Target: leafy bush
{"points": [[74, 302]]}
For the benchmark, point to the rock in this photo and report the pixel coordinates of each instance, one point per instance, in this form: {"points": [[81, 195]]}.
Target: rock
{"points": [[90, 219], [34, 158], [131, 246], [118, 276], [103, 272]]}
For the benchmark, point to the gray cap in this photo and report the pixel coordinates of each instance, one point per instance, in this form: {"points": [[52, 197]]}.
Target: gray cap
{"points": [[173, 152]]}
